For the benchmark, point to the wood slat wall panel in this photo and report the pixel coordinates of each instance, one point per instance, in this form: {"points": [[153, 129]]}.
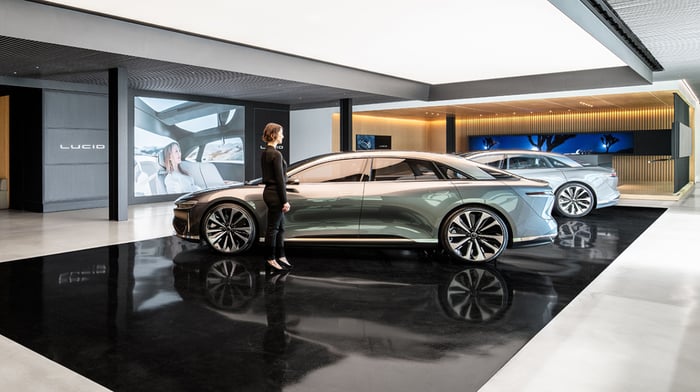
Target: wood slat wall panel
{"points": [[643, 168]]}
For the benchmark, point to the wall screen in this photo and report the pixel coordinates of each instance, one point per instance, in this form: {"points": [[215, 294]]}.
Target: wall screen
{"points": [[572, 143], [182, 146]]}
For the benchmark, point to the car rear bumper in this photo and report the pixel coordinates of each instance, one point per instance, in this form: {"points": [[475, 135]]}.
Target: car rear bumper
{"points": [[609, 203]]}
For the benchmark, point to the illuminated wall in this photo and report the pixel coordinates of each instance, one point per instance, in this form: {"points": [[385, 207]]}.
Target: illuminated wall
{"points": [[409, 135], [595, 122]]}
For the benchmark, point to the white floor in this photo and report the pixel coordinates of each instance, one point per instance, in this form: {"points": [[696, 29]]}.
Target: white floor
{"points": [[635, 328]]}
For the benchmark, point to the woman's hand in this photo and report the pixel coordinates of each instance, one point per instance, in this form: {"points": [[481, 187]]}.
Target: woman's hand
{"points": [[286, 207]]}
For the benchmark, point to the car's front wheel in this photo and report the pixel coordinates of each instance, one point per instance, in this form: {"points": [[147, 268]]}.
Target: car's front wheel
{"points": [[574, 200], [229, 228], [474, 234]]}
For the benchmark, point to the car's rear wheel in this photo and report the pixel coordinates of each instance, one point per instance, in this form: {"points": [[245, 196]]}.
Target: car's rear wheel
{"points": [[474, 234], [229, 228], [574, 200]]}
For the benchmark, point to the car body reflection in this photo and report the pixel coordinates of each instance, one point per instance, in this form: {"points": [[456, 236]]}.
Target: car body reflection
{"points": [[401, 305]]}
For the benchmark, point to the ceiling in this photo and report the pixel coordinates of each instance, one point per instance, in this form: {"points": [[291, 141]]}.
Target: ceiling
{"points": [[387, 37], [78, 41]]}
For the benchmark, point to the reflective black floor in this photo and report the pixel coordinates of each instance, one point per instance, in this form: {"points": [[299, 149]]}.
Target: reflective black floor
{"points": [[165, 315]]}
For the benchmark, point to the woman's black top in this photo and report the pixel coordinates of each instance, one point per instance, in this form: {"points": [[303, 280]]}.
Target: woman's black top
{"points": [[274, 172]]}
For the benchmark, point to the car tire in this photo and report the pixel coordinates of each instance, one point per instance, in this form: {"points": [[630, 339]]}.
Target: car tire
{"points": [[574, 200], [474, 234], [229, 228]]}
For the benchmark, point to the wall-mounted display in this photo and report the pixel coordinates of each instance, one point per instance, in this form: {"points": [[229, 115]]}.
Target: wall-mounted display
{"points": [[646, 142], [372, 142], [568, 143], [182, 146], [683, 140]]}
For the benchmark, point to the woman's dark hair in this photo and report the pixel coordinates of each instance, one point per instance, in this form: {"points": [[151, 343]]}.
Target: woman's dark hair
{"points": [[270, 132]]}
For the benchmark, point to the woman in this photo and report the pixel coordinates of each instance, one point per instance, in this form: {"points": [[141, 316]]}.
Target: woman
{"points": [[176, 181], [274, 176]]}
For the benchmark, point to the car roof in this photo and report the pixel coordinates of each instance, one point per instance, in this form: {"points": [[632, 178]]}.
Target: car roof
{"points": [[512, 151], [430, 156]]}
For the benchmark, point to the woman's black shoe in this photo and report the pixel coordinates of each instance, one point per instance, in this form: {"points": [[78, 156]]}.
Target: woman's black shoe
{"points": [[272, 267], [284, 263]]}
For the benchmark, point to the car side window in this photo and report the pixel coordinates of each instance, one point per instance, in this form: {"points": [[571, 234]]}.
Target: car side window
{"points": [[527, 162], [453, 174], [496, 160], [345, 170], [557, 163], [400, 169]]}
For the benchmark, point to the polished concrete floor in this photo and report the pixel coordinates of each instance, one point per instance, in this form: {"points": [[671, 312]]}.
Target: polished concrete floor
{"points": [[154, 313]]}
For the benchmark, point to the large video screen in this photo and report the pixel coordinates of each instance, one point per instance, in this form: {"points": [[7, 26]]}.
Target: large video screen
{"points": [[182, 146], [572, 143]]}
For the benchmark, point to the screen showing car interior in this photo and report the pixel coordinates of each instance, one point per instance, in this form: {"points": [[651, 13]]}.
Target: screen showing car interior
{"points": [[182, 146]]}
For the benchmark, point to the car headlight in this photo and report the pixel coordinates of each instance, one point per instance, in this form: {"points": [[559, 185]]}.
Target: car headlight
{"points": [[185, 204]]}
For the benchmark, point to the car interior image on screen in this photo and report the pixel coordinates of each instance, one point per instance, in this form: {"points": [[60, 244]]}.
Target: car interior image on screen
{"points": [[182, 146]]}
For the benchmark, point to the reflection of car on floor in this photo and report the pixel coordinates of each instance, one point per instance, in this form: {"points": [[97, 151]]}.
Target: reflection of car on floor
{"points": [[406, 307], [471, 210], [579, 189]]}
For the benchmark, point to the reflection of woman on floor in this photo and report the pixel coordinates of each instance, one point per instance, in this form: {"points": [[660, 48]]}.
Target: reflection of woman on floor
{"points": [[176, 181], [276, 339]]}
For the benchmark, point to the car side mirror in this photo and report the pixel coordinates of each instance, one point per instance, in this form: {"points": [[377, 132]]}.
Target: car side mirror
{"points": [[293, 181]]}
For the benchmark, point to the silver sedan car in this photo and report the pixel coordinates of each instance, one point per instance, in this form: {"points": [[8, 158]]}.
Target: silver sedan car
{"points": [[578, 189], [407, 198]]}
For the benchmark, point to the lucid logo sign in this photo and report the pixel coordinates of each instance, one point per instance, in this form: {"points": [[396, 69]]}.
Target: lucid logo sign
{"points": [[82, 147]]}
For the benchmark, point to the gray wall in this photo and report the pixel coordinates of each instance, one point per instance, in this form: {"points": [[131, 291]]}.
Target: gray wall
{"points": [[76, 156], [312, 132]]}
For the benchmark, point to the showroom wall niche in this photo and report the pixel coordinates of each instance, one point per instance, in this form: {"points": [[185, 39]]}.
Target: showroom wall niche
{"points": [[58, 148], [647, 166], [26, 137]]}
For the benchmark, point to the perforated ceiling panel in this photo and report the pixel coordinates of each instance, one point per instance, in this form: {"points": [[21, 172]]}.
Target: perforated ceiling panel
{"points": [[670, 29]]}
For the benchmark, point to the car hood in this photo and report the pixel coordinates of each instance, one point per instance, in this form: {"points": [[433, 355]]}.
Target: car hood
{"points": [[199, 193]]}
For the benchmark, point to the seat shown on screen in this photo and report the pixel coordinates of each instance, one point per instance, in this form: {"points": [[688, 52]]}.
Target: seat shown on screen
{"points": [[205, 174]]}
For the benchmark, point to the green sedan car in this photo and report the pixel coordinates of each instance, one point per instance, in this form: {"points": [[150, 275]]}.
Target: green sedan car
{"points": [[472, 211]]}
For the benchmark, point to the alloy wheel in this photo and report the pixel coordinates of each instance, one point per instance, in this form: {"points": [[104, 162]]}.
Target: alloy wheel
{"points": [[229, 228], [574, 201], [475, 234]]}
